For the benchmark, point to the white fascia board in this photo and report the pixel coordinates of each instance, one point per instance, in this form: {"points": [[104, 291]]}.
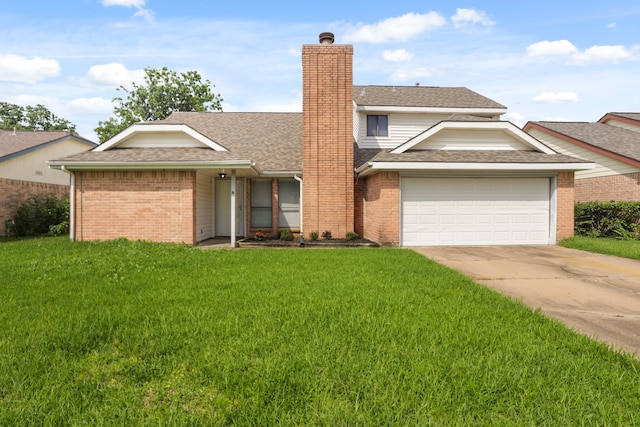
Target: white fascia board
{"points": [[157, 128], [435, 110], [509, 127], [74, 166], [283, 174], [371, 167]]}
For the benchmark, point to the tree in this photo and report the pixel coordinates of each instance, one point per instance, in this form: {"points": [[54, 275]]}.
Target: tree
{"points": [[163, 93], [37, 118]]}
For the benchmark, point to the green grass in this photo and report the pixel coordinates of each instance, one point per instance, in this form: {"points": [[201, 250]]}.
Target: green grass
{"points": [[133, 333], [621, 248]]}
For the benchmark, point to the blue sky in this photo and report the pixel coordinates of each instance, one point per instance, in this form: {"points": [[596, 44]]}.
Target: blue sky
{"points": [[544, 60]]}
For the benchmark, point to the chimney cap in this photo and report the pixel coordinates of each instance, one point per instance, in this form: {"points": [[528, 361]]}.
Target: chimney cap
{"points": [[326, 38]]}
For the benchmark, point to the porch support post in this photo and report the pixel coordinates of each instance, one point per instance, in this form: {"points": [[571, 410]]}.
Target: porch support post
{"points": [[233, 208]]}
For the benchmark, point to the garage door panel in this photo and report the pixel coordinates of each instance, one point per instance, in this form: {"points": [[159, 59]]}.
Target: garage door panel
{"points": [[465, 211]]}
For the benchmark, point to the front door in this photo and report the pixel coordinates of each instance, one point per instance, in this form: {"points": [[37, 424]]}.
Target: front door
{"points": [[223, 207]]}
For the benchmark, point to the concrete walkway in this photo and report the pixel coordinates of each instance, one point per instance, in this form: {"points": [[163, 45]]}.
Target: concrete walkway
{"points": [[597, 295]]}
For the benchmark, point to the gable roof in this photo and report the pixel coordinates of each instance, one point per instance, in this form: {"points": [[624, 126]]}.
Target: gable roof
{"points": [[13, 144], [422, 96], [264, 142], [633, 117], [609, 140]]}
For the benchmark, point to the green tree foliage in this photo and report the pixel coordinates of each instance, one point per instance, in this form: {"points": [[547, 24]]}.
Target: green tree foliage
{"points": [[607, 219], [37, 118], [163, 92], [42, 214]]}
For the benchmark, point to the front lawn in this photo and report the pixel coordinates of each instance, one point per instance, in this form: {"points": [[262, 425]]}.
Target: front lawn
{"points": [[132, 333], [617, 247]]}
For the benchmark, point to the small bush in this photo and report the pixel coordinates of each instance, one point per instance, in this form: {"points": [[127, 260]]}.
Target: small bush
{"points": [[351, 235], [314, 235], [259, 236], [285, 235], [326, 234], [39, 213], [620, 220]]}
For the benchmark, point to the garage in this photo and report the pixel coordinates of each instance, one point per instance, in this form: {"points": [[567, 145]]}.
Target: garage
{"points": [[475, 211]]}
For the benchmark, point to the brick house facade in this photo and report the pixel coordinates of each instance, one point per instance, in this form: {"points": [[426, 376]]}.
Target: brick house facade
{"points": [[340, 166]]}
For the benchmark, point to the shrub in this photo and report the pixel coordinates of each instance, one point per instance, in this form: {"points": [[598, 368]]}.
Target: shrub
{"points": [[39, 213], [314, 235], [351, 235], [259, 235], [608, 219], [286, 235], [326, 234]]}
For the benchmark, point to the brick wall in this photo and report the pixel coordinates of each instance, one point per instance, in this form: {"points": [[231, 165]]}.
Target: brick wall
{"points": [[607, 188], [14, 193], [137, 205], [382, 208], [327, 112], [565, 200]]}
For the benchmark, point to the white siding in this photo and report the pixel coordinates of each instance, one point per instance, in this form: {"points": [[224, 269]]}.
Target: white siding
{"points": [[605, 166], [204, 207], [33, 166], [471, 139], [160, 139], [402, 127], [624, 125]]}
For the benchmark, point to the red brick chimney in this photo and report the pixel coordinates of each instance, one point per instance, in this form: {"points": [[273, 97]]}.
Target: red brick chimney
{"points": [[327, 114]]}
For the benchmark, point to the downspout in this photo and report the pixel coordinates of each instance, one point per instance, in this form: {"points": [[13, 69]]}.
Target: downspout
{"points": [[72, 204], [297, 178], [233, 208]]}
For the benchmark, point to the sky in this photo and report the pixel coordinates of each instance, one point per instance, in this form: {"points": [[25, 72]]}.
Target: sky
{"points": [[543, 60]]}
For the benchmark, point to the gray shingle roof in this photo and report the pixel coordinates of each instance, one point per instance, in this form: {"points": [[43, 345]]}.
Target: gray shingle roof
{"points": [[472, 156], [15, 142], [272, 140], [614, 139], [422, 96], [154, 154], [632, 116]]}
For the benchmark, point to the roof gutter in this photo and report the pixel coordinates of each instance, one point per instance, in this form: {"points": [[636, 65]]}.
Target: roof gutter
{"points": [[76, 166]]}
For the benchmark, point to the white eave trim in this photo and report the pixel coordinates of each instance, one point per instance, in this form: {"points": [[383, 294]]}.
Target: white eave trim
{"points": [[372, 167], [435, 110], [509, 127], [76, 166], [158, 128]]}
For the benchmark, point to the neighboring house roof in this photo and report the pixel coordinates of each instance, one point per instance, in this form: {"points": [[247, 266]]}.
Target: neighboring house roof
{"points": [[422, 96], [17, 143], [635, 117], [609, 140]]}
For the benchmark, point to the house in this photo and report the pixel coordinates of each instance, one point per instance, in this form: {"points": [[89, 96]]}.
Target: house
{"points": [[23, 166], [399, 165], [612, 143]]}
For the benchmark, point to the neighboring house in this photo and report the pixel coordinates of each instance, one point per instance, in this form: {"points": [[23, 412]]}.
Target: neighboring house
{"points": [[23, 166], [398, 165], [613, 143]]}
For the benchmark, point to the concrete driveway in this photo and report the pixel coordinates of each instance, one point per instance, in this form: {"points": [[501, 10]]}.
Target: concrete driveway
{"points": [[597, 295]]}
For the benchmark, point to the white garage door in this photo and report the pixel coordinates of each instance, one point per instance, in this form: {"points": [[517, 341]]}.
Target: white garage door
{"points": [[475, 211]]}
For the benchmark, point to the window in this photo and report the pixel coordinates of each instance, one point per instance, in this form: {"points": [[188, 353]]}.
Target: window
{"points": [[261, 203], [288, 203], [377, 125]]}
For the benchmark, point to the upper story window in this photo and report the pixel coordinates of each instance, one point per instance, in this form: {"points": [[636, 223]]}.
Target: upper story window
{"points": [[377, 125]]}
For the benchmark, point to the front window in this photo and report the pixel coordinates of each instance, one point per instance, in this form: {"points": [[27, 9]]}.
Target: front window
{"points": [[377, 125], [261, 203], [288, 203]]}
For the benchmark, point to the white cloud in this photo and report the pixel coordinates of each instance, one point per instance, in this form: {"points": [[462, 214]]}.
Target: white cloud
{"points": [[414, 74], [515, 118], [14, 68], [552, 48], [125, 3], [92, 105], [466, 17], [113, 75], [400, 28], [146, 14], [398, 55], [556, 97], [612, 26], [603, 54]]}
